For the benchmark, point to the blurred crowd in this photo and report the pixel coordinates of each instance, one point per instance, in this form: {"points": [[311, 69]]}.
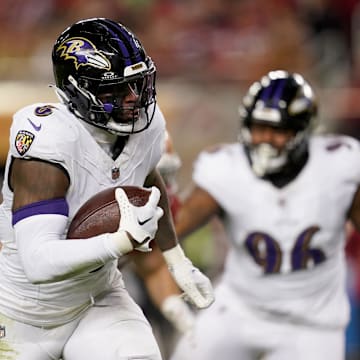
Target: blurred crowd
{"points": [[225, 40], [209, 47]]}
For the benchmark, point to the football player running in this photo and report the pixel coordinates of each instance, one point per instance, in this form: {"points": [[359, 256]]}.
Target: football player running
{"points": [[284, 195], [66, 298]]}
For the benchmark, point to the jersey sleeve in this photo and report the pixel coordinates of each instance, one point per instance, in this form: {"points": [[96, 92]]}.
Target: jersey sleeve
{"points": [[344, 152], [210, 170], [353, 162], [40, 131]]}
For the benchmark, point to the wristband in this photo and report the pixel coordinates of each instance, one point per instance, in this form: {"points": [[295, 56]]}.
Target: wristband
{"points": [[118, 243], [174, 255]]}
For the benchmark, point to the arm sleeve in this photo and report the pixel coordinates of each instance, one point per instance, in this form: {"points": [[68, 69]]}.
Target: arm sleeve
{"points": [[46, 257]]}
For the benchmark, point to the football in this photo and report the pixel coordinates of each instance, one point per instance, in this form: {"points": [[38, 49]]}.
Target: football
{"points": [[101, 214]]}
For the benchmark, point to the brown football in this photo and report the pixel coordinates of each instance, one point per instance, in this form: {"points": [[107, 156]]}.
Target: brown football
{"points": [[101, 214]]}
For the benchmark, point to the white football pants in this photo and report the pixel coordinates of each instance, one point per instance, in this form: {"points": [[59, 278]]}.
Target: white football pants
{"points": [[113, 329], [227, 330]]}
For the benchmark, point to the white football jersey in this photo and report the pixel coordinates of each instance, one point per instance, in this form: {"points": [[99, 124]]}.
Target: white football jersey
{"points": [[51, 133], [287, 244]]}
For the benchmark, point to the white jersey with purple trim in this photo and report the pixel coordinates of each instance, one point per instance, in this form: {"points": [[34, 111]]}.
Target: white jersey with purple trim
{"points": [[286, 257], [51, 133]]}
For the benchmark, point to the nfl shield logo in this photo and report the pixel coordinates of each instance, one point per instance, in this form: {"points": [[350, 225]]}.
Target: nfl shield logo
{"points": [[115, 173], [2, 331]]}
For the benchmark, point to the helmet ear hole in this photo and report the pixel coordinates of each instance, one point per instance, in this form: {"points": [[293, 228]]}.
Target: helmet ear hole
{"points": [[99, 52]]}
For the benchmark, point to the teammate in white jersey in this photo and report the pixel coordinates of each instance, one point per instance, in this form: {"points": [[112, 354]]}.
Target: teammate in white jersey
{"points": [[63, 298], [284, 195]]}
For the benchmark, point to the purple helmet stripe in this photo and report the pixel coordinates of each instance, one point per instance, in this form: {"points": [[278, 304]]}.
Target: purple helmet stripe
{"points": [[54, 206], [267, 92], [129, 39], [278, 91], [124, 49], [273, 92]]}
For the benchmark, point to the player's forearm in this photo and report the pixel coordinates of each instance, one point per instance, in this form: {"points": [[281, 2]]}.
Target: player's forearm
{"points": [[165, 294], [196, 210], [160, 284], [46, 257], [165, 236]]}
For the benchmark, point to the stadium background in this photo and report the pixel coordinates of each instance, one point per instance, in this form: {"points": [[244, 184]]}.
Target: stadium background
{"points": [[207, 53]]}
